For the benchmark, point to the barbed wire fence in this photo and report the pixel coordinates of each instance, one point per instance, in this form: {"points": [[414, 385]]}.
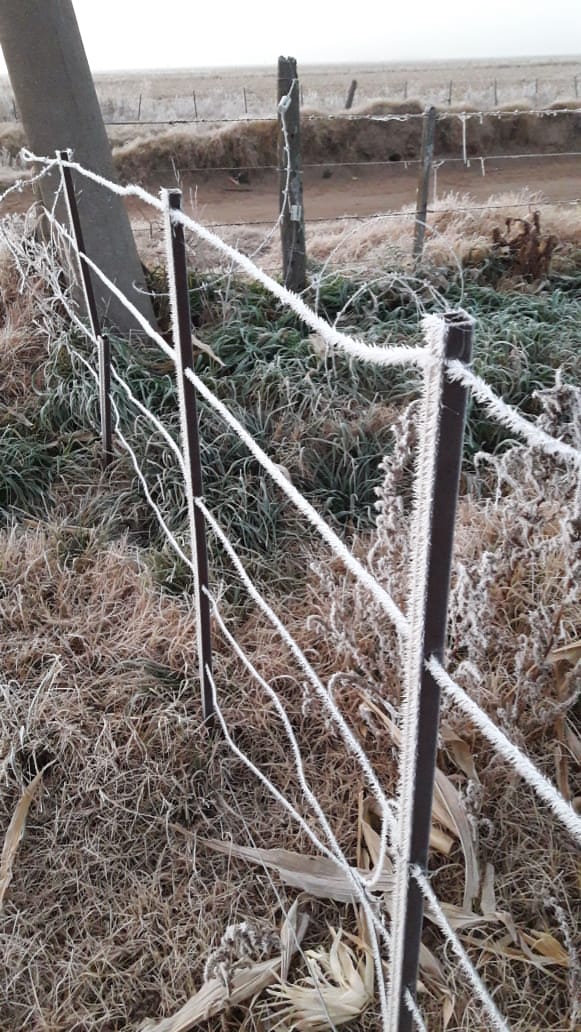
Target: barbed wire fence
{"points": [[443, 359], [431, 166], [244, 90]]}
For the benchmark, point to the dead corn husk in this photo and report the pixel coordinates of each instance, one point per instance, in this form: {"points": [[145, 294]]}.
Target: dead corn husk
{"points": [[214, 996], [337, 989]]}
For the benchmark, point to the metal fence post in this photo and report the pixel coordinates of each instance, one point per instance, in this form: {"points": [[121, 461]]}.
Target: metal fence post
{"points": [[426, 160], [292, 225], [178, 279], [458, 345], [103, 345]]}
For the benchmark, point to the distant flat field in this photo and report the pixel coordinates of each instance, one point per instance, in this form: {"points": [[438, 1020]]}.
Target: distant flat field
{"points": [[240, 92]]}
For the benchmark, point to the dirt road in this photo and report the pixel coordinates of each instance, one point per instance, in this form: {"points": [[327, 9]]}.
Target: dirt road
{"points": [[354, 190], [366, 190]]}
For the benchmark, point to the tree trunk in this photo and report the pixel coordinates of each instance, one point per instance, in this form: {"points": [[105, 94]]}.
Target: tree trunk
{"points": [[58, 105]]}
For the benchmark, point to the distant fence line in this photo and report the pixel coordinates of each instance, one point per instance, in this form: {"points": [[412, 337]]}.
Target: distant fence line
{"points": [[491, 96]]}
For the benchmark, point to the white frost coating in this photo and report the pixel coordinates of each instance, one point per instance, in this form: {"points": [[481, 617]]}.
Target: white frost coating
{"points": [[496, 1019], [415, 1011], [341, 551], [336, 715], [139, 318], [170, 537], [509, 416], [337, 854], [511, 753], [420, 529], [161, 429], [374, 353]]}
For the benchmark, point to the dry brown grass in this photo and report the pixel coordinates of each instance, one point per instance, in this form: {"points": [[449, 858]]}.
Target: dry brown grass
{"points": [[22, 337], [454, 232], [115, 903]]}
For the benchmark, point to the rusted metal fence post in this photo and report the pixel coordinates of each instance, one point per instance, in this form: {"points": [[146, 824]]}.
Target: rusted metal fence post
{"points": [[292, 223], [103, 344], [184, 354], [426, 161], [351, 95], [458, 345]]}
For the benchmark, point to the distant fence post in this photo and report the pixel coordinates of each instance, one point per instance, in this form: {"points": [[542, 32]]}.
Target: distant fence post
{"points": [[103, 344], [426, 161], [450, 89], [245, 100], [184, 354], [448, 463], [351, 95], [292, 225], [195, 105]]}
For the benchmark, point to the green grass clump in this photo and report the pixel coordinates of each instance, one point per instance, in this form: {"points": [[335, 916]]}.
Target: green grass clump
{"points": [[327, 419]]}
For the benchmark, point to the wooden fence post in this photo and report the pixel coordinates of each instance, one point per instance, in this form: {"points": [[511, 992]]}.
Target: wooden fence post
{"points": [[245, 100], [104, 347], [184, 354], [450, 88], [195, 105], [351, 95], [292, 219], [426, 161], [448, 463]]}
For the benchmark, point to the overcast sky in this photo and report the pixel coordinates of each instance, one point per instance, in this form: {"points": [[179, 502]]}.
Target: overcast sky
{"points": [[184, 34]]}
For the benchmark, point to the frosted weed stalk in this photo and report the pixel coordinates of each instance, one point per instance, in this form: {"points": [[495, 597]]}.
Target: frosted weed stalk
{"points": [[515, 599]]}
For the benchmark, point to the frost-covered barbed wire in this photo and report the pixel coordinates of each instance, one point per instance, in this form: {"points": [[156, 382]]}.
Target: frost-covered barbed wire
{"points": [[361, 884], [495, 1017], [507, 749]]}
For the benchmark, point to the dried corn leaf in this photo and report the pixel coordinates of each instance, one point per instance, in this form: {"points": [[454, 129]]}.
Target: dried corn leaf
{"points": [[538, 948], [432, 970], [447, 810], [214, 997], [319, 876], [449, 799], [488, 895], [460, 752], [14, 834]]}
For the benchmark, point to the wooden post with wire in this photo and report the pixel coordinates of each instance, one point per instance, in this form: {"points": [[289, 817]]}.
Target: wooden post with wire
{"points": [[292, 218], [103, 345], [426, 162], [448, 463], [178, 278]]}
